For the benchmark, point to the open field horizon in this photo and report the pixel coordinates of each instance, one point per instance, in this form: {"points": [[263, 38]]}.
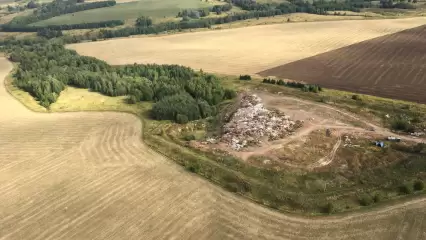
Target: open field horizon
{"points": [[89, 176], [243, 50], [264, 50]]}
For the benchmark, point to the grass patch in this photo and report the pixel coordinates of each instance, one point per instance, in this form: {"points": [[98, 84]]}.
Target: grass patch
{"points": [[125, 11], [77, 99]]}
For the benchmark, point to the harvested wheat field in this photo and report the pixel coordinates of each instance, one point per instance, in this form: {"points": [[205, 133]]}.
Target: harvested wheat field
{"points": [[391, 66], [89, 176], [244, 50]]}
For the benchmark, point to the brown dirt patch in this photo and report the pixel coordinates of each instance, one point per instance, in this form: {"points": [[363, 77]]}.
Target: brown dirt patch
{"points": [[391, 66]]}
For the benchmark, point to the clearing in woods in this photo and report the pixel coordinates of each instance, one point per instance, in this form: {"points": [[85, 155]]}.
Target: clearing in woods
{"points": [[89, 176], [259, 47]]}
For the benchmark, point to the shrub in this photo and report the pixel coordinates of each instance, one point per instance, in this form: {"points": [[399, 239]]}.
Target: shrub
{"points": [[132, 99], [356, 97], [182, 119], [193, 167], [405, 189], [144, 22], [245, 77], [329, 208], [377, 197], [230, 94], [418, 185], [403, 5], [189, 137], [401, 124], [365, 200]]}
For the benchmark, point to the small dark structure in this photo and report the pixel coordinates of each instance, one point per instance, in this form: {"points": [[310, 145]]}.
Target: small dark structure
{"points": [[379, 144], [394, 139]]}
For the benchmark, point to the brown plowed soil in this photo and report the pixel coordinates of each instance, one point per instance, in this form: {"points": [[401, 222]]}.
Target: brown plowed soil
{"points": [[392, 66]]}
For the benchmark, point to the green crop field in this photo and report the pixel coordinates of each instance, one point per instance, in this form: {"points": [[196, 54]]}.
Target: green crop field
{"points": [[131, 10]]}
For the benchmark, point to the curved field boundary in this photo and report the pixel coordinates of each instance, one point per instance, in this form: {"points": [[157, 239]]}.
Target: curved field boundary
{"points": [[89, 176]]}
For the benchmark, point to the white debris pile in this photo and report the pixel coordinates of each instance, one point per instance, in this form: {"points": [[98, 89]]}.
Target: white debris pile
{"points": [[252, 123]]}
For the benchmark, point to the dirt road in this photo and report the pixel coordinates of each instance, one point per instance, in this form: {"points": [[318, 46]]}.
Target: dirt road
{"points": [[89, 176]]}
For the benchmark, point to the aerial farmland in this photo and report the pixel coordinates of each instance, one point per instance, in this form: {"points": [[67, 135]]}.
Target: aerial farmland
{"points": [[212, 120]]}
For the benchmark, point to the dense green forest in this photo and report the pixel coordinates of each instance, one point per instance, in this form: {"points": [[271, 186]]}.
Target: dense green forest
{"points": [[46, 68]]}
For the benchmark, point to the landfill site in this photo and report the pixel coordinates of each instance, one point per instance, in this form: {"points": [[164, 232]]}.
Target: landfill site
{"points": [[273, 130]]}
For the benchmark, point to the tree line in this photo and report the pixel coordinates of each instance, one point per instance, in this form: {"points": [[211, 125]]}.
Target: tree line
{"points": [[304, 87], [187, 14], [398, 4], [147, 27], [27, 28], [46, 68], [53, 9]]}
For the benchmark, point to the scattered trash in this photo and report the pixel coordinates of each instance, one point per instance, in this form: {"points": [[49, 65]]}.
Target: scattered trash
{"points": [[252, 122], [379, 144], [393, 139], [417, 134]]}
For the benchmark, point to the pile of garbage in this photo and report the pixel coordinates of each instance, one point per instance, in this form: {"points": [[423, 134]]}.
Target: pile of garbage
{"points": [[252, 123]]}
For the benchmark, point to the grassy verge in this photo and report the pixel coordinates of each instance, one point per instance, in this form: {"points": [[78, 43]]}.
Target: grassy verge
{"points": [[302, 192], [129, 10]]}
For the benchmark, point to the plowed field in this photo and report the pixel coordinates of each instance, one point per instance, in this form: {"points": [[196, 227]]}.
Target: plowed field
{"points": [[391, 66], [89, 176]]}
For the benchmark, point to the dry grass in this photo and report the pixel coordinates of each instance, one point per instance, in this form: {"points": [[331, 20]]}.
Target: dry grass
{"points": [[243, 50], [89, 176], [75, 99]]}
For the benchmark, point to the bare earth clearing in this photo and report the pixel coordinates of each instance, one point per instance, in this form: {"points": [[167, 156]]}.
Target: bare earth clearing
{"points": [[316, 118], [244, 50], [89, 176]]}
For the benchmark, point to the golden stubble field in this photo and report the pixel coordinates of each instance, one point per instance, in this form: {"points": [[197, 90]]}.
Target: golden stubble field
{"points": [[89, 176], [243, 50]]}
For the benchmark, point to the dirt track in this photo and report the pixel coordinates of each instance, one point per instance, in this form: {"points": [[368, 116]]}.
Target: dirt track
{"points": [[89, 176]]}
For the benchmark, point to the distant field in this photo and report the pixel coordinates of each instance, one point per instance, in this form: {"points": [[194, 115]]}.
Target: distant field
{"points": [[2, 2], [129, 10], [390, 66], [244, 50]]}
